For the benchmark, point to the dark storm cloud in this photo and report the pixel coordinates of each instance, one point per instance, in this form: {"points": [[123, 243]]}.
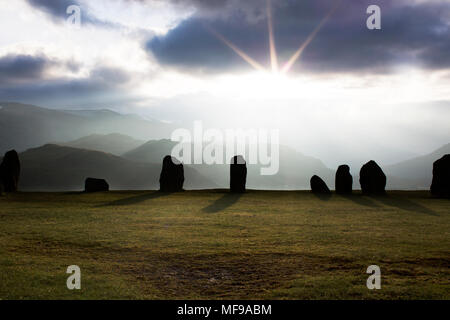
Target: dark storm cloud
{"points": [[191, 44], [15, 68], [99, 80], [25, 68], [412, 34], [59, 92], [23, 78], [56, 8]]}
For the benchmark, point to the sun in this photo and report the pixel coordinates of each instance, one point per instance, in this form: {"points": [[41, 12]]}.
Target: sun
{"points": [[270, 85], [261, 85]]}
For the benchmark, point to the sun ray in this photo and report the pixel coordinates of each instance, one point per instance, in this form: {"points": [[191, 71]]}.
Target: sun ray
{"points": [[308, 40], [238, 51], [273, 50]]}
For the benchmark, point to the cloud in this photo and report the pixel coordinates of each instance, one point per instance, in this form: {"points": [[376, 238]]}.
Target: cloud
{"points": [[22, 68], [89, 91], [192, 45], [413, 34], [24, 78], [55, 8], [14, 68]]}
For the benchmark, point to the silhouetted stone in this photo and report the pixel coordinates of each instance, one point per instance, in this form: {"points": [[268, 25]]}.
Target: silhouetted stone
{"points": [[344, 180], [440, 186], [95, 185], [319, 186], [10, 171], [372, 178], [238, 174], [172, 175]]}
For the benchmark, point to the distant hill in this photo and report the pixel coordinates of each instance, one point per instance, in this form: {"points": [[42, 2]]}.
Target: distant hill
{"points": [[151, 151], [59, 168], [295, 168], [62, 168], [114, 143], [108, 133], [24, 126], [415, 173]]}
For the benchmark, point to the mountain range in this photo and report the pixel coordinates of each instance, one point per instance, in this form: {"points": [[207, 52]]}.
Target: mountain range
{"points": [[59, 168], [114, 143], [105, 144], [25, 126], [415, 173]]}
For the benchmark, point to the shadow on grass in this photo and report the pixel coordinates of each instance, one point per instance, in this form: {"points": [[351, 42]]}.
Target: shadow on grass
{"points": [[323, 196], [73, 192], [405, 204], [227, 200], [360, 199], [135, 199]]}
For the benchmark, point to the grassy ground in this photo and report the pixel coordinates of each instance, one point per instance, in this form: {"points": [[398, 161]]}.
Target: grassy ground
{"points": [[215, 245]]}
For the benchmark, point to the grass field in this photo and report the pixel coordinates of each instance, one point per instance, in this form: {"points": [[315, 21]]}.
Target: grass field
{"points": [[215, 245]]}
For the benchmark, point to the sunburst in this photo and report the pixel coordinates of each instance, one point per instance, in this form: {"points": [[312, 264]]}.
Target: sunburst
{"points": [[272, 48]]}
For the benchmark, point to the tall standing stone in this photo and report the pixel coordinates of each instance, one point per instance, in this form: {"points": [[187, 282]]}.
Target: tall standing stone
{"points": [[440, 186], [238, 174], [372, 178], [10, 171], [95, 185], [344, 180], [172, 175]]}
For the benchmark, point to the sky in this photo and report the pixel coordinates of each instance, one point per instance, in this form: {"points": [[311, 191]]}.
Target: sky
{"points": [[349, 90]]}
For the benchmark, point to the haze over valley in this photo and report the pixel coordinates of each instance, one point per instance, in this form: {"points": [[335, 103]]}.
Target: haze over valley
{"points": [[59, 149]]}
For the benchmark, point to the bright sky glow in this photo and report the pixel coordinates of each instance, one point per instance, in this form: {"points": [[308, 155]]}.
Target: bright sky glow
{"points": [[278, 96]]}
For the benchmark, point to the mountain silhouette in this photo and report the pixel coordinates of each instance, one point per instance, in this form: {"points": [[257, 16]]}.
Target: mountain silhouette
{"points": [[151, 151], [114, 143], [58, 168], [25, 126], [294, 172], [415, 173]]}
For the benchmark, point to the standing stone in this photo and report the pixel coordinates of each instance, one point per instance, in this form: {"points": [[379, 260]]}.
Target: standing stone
{"points": [[95, 185], [344, 180], [238, 174], [172, 175], [10, 171], [440, 186], [319, 186], [372, 178]]}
